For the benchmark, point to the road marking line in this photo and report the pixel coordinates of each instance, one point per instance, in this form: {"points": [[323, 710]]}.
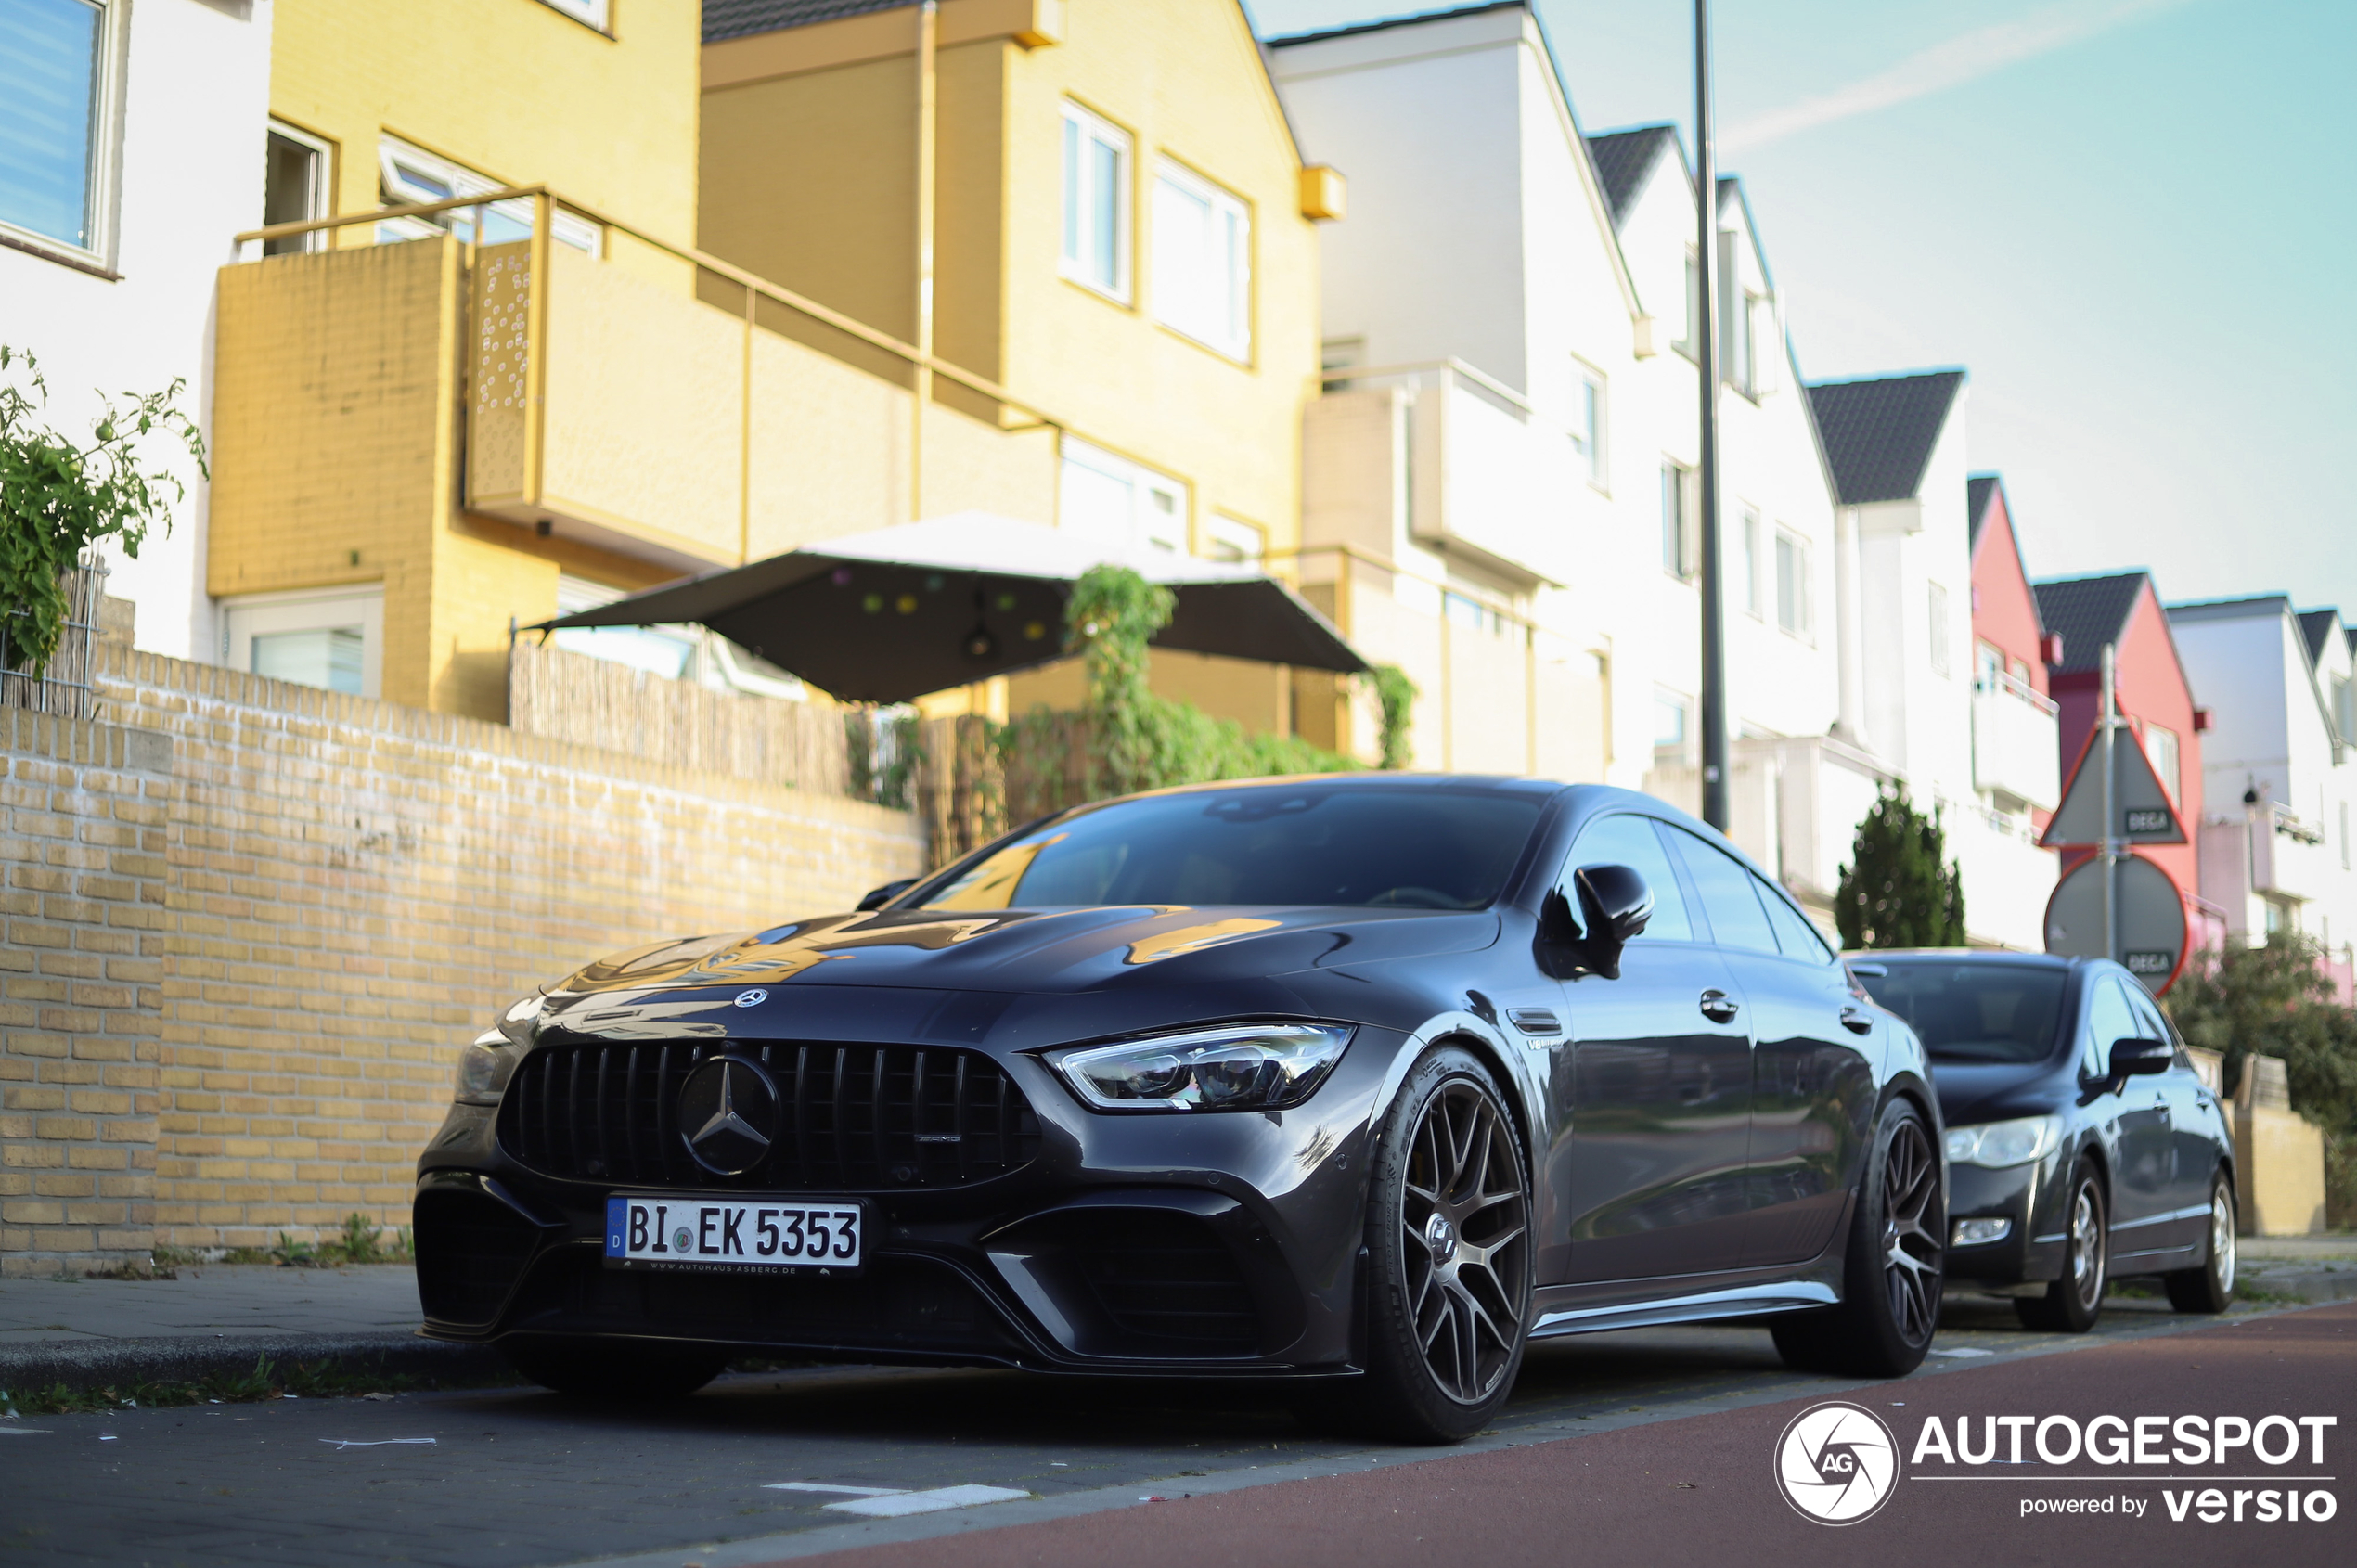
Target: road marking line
{"points": [[940, 1498], [849, 1491]]}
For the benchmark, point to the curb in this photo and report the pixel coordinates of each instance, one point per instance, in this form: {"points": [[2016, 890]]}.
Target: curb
{"points": [[98, 1363]]}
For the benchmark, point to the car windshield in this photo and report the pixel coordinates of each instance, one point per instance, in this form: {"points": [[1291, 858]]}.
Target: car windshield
{"points": [[1975, 1012], [1410, 846]]}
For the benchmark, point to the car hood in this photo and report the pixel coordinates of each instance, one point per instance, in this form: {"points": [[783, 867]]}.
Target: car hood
{"points": [[1973, 1092], [1023, 952]]}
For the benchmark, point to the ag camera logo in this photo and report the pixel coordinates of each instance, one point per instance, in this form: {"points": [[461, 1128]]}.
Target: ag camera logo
{"points": [[1837, 1463]]}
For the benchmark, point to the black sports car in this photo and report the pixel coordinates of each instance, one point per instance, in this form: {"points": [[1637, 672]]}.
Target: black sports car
{"points": [[1360, 1082], [2080, 1143]]}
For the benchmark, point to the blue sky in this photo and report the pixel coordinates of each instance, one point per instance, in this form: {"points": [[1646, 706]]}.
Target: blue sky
{"points": [[2124, 217]]}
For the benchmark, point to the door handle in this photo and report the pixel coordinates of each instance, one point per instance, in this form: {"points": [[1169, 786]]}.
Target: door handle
{"points": [[1718, 1007], [1858, 1020]]}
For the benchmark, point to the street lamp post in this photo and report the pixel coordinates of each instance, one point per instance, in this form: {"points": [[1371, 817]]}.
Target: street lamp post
{"points": [[1705, 345]]}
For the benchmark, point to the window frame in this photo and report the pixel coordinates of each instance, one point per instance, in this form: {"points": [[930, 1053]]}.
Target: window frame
{"points": [[1144, 484], [595, 15], [1936, 627], [2173, 777], [1678, 506], [102, 168], [1072, 264], [323, 188], [1592, 428], [1750, 524], [400, 163], [1803, 625], [1223, 202], [308, 610]]}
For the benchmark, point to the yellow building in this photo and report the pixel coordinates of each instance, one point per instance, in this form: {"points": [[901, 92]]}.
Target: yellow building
{"points": [[426, 425]]}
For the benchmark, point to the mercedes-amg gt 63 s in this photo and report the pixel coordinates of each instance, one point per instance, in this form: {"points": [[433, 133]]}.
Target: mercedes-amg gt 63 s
{"points": [[1352, 1083]]}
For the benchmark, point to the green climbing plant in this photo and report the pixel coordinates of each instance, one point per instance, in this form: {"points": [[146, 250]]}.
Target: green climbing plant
{"points": [[1899, 889], [1395, 695], [59, 497]]}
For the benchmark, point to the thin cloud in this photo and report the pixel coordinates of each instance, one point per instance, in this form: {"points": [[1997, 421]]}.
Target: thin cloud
{"points": [[1961, 60]]}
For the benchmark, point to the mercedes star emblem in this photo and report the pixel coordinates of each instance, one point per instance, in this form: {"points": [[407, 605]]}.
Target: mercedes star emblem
{"points": [[727, 1109], [751, 998]]}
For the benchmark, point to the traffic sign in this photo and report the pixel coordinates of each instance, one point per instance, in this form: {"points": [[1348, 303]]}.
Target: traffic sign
{"points": [[2151, 918], [2142, 812]]}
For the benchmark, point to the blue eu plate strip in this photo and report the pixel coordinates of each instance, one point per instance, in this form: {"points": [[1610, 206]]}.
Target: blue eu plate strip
{"points": [[617, 1217]]}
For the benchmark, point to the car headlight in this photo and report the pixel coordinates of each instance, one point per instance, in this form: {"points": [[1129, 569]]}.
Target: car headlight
{"points": [[485, 1066], [1239, 1067], [2000, 1144]]}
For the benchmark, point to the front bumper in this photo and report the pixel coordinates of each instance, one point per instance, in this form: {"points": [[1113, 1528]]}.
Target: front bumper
{"points": [[1143, 1243], [2021, 1194]]}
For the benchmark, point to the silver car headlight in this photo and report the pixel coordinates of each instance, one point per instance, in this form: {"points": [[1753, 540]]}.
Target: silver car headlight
{"points": [[485, 1066], [1235, 1067], [1999, 1144]]}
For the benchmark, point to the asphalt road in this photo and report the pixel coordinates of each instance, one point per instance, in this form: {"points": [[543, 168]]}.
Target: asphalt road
{"points": [[1601, 1432]]}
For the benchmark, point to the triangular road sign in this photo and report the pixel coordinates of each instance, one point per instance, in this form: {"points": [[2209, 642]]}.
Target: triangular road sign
{"points": [[2141, 812]]}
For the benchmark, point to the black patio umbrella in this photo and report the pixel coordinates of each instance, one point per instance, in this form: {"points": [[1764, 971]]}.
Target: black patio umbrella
{"points": [[894, 613]]}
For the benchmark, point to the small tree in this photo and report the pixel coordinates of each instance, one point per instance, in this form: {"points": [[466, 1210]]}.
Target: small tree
{"points": [[1899, 889], [1395, 695], [57, 499]]}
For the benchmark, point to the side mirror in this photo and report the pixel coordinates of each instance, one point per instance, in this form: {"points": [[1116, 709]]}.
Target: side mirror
{"points": [[1615, 904], [877, 898], [2130, 1057]]}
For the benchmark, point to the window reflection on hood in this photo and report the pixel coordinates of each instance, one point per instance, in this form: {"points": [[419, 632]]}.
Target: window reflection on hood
{"points": [[1411, 846]]}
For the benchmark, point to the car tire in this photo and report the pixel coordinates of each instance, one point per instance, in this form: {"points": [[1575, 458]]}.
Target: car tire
{"points": [[1891, 1267], [2072, 1303], [2209, 1287], [1450, 1262], [612, 1370]]}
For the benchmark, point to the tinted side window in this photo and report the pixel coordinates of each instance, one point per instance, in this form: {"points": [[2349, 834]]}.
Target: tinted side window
{"points": [[2108, 1018], [1793, 933], [1729, 901], [1630, 841]]}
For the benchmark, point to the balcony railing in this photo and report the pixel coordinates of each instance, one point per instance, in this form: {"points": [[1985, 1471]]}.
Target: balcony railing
{"points": [[2015, 743]]}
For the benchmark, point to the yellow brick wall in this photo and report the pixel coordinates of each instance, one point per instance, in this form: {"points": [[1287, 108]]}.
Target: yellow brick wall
{"points": [[82, 973], [514, 89], [249, 925]]}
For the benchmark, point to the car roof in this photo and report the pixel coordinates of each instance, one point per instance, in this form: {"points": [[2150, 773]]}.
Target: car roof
{"points": [[1965, 956]]}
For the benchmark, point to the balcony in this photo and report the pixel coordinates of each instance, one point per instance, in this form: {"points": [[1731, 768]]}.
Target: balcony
{"points": [[2015, 745]]}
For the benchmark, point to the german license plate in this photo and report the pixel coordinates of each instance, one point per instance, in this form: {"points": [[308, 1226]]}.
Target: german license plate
{"points": [[737, 1235]]}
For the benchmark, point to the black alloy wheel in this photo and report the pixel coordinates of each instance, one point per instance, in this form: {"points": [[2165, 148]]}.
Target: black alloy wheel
{"points": [[1892, 1267], [2072, 1303], [612, 1370], [2209, 1287], [1448, 1256]]}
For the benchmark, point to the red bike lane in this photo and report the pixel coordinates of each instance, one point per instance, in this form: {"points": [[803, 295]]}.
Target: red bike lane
{"points": [[1705, 1489]]}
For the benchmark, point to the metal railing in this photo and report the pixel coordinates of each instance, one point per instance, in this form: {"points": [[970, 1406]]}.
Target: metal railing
{"points": [[66, 685], [1998, 683]]}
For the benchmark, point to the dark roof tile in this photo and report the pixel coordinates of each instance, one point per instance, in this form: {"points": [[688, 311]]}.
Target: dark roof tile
{"points": [[2315, 625], [1879, 433], [1978, 488], [738, 19], [1625, 158], [2088, 613]]}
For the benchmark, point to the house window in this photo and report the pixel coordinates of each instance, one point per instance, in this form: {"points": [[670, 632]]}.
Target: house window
{"points": [[1121, 504], [413, 176], [2160, 749], [1686, 341], [1588, 432], [1677, 519], [55, 118], [1792, 583], [295, 187], [1751, 561], [1670, 721], [1095, 248], [334, 640], [1337, 356], [1203, 261], [1988, 668], [591, 11], [1935, 620], [1232, 539], [1765, 345]]}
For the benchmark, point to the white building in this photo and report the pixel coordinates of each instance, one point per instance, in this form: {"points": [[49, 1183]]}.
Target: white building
{"points": [[2279, 774], [1508, 441], [132, 149], [1896, 446]]}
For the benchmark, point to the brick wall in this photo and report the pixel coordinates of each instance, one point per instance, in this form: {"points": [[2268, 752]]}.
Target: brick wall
{"points": [[250, 924]]}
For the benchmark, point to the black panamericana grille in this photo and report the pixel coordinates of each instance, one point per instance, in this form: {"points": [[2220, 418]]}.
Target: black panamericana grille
{"points": [[848, 1117]]}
